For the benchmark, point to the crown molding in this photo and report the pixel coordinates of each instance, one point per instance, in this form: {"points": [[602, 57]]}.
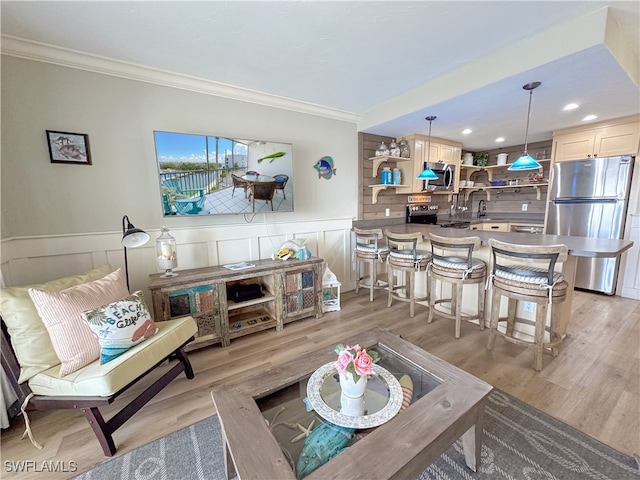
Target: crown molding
{"points": [[41, 52]]}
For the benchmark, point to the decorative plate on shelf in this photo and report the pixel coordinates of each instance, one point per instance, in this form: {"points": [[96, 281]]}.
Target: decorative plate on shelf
{"points": [[382, 400]]}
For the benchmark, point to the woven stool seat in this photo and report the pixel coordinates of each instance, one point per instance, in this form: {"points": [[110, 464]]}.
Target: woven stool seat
{"points": [[456, 269], [558, 290], [453, 263], [405, 260], [380, 253], [369, 252], [527, 281]]}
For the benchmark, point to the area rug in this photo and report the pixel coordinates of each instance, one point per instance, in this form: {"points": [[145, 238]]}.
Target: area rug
{"points": [[520, 442]]}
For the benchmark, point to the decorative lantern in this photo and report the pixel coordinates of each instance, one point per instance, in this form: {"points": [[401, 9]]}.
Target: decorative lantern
{"points": [[167, 253], [330, 291]]}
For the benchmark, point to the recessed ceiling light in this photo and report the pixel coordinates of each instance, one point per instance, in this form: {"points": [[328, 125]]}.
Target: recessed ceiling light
{"points": [[466, 131], [500, 139], [589, 117], [571, 106]]}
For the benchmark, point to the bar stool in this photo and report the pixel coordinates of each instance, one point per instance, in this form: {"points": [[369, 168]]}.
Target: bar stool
{"points": [[516, 276], [404, 257], [452, 262], [368, 251]]}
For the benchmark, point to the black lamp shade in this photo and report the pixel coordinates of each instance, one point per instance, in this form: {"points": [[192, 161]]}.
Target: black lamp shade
{"points": [[131, 236], [135, 238]]}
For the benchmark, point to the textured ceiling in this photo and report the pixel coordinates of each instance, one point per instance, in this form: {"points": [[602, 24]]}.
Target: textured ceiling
{"points": [[388, 63]]}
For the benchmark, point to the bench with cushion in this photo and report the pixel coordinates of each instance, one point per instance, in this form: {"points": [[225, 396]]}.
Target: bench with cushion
{"points": [[32, 345]]}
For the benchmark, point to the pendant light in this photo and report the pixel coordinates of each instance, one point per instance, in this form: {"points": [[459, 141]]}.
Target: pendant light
{"points": [[427, 173], [526, 161]]}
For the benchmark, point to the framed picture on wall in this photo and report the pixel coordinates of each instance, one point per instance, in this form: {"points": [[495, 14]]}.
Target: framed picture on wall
{"points": [[65, 147]]}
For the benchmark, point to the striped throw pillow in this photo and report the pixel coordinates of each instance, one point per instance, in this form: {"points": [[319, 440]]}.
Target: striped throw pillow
{"points": [[61, 312]]}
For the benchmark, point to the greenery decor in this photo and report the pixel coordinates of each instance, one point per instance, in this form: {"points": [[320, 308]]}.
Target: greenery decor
{"points": [[481, 158]]}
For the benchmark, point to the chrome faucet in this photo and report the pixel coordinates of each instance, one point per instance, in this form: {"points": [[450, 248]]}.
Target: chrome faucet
{"points": [[482, 208]]}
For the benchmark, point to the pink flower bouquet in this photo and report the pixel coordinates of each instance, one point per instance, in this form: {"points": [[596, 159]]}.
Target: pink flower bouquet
{"points": [[355, 360]]}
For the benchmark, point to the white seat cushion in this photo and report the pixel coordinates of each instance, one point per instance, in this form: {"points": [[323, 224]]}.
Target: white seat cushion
{"points": [[539, 278], [97, 380], [457, 263], [408, 255], [371, 249]]}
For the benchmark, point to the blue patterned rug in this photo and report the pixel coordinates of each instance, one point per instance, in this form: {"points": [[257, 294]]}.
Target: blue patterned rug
{"points": [[520, 442]]}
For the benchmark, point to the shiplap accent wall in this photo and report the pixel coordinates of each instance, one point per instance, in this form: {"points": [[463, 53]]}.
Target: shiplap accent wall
{"points": [[510, 200], [367, 146], [502, 201]]}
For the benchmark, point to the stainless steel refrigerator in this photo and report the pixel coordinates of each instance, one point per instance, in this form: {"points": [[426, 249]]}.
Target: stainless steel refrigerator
{"points": [[588, 198]]}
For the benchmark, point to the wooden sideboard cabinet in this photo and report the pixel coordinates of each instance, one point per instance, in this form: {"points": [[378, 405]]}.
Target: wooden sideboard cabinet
{"points": [[291, 290]]}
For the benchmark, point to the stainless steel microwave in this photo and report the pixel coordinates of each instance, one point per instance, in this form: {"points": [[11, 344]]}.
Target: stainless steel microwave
{"points": [[445, 180]]}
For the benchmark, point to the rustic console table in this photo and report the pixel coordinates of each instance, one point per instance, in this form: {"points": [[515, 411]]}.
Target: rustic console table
{"points": [[291, 290]]}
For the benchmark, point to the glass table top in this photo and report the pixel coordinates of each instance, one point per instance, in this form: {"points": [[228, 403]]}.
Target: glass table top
{"points": [[291, 415]]}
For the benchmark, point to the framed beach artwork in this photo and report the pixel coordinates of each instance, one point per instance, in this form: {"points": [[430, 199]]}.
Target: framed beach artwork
{"points": [[65, 147]]}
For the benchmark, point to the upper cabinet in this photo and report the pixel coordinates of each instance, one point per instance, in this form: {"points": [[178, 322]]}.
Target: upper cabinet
{"points": [[615, 138], [442, 151]]}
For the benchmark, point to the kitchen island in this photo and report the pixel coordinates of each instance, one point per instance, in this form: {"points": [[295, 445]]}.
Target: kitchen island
{"points": [[577, 247]]}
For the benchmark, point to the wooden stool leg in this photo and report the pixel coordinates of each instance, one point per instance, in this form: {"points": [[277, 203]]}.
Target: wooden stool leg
{"points": [[372, 278], [481, 294], [511, 315], [432, 298], [412, 301], [427, 281], [495, 312], [541, 320], [358, 265], [553, 333], [390, 284], [457, 294]]}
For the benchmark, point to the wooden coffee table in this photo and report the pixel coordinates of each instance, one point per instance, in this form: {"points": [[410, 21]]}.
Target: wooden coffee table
{"points": [[448, 404]]}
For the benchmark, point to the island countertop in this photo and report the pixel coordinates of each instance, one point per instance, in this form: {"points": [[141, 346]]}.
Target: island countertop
{"points": [[578, 246]]}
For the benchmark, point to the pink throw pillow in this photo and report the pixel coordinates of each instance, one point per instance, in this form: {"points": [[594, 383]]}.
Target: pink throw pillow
{"points": [[61, 312]]}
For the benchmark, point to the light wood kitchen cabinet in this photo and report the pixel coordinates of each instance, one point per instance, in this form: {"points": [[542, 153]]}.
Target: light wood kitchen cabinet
{"points": [[442, 151], [495, 227], [604, 141]]}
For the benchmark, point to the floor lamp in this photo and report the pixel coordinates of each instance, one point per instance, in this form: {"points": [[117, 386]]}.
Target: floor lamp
{"points": [[132, 237]]}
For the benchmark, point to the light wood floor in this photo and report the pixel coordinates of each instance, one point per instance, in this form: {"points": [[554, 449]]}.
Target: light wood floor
{"points": [[592, 385]]}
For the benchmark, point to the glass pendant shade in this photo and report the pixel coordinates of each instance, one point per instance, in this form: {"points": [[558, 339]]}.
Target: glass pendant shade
{"points": [[427, 173], [526, 161]]}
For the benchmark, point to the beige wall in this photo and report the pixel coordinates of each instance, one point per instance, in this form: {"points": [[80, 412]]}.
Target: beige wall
{"points": [[120, 116], [66, 205]]}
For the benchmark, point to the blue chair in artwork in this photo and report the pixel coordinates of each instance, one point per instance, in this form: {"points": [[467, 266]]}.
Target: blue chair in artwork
{"points": [[190, 201], [281, 182]]}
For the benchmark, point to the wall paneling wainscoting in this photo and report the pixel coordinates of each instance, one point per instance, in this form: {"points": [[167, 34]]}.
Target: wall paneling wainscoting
{"points": [[28, 260]]}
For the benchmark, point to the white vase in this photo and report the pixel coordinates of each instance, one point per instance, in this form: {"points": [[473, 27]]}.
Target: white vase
{"points": [[350, 388], [353, 407]]}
